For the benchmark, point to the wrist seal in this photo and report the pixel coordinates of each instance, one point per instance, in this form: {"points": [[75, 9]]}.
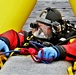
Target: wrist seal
{"points": [[5, 40], [62, 52]]}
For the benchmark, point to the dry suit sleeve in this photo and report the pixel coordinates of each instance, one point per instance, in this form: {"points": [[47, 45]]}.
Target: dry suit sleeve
{"points": [[12, 38]]}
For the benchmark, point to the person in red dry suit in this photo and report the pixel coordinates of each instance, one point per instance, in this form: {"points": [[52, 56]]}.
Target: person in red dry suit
{"points": [[48, 29]]}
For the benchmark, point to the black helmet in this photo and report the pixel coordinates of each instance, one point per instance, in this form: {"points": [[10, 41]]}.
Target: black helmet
{"points": [[50, 17], [52, 14], [44, 21]]}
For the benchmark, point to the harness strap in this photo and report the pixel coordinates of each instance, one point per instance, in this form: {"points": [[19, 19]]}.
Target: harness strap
{"points": [[71, 56], [25, 36]]}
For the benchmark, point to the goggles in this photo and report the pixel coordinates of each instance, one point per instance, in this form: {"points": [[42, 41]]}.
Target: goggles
{"points": [[43, 31]]}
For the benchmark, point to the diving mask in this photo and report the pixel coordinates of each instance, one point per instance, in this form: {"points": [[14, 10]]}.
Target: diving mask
{"points": [[43, 31]]}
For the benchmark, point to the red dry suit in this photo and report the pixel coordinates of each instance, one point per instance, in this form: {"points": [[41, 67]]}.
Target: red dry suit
{"points": [[70, 50], [14, 39]]}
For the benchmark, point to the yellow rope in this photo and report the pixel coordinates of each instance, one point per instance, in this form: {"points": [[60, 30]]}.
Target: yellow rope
{"points": [[2, 57], [71, 69]]}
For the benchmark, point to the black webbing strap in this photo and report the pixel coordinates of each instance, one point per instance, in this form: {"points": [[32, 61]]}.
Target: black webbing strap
{"points": [[71, 56]]}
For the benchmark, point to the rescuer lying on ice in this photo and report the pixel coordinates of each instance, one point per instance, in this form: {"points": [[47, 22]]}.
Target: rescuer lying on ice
{"points": [[50, 31]]}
